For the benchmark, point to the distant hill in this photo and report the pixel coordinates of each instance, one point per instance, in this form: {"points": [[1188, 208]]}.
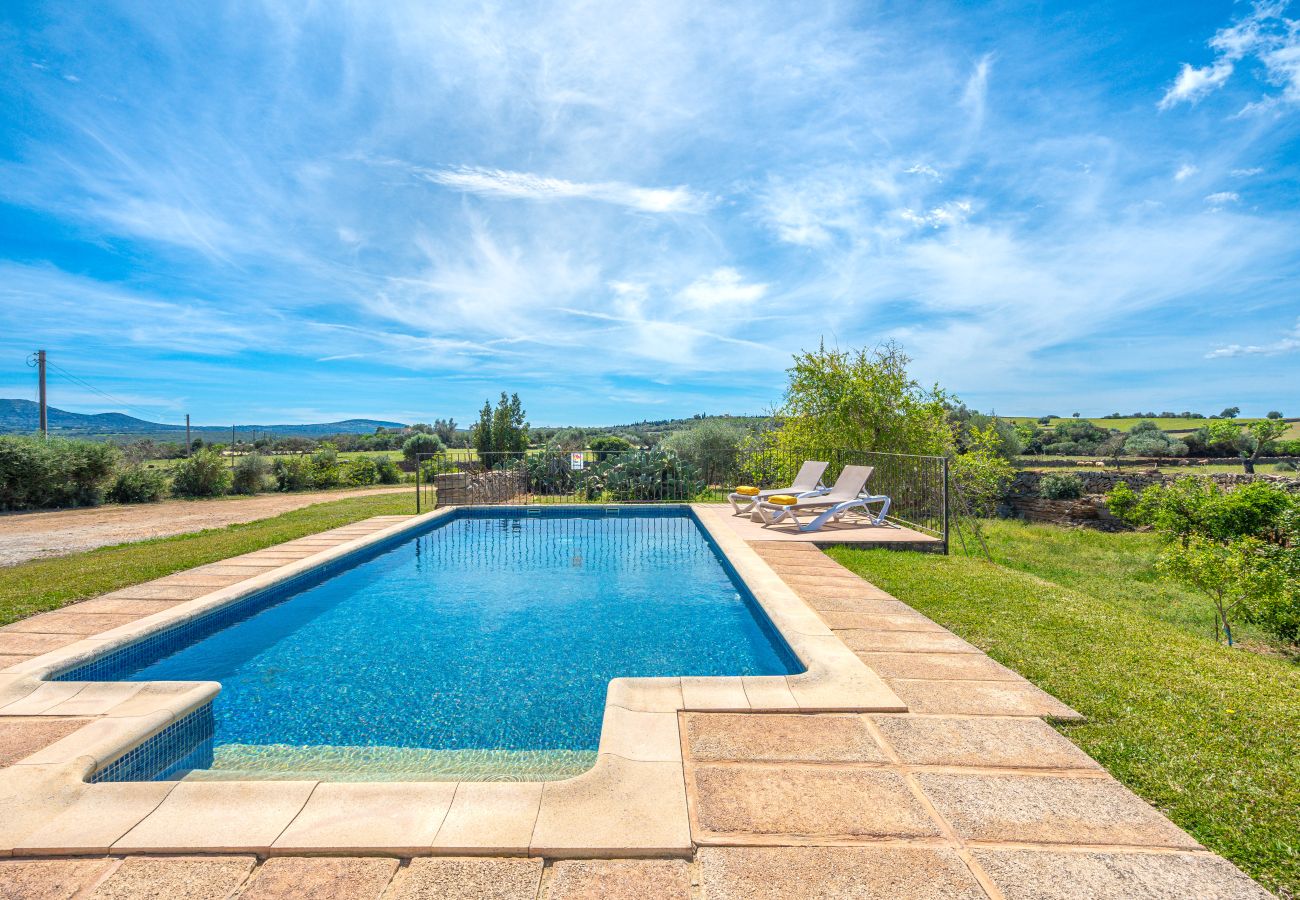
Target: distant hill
{"points": [[23, 417]]}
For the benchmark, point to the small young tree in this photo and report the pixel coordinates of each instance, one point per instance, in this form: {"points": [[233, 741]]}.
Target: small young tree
{"points": [[1235, 575], [420, 444], [1251, 441], [481, 433], [445, 429]]}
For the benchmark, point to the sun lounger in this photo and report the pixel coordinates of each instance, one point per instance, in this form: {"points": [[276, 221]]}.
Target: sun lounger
{"points": [[807, 483], [846, 496]]}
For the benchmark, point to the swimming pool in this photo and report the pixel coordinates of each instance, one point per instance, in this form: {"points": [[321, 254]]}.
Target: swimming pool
{"points": [[481, 646]]}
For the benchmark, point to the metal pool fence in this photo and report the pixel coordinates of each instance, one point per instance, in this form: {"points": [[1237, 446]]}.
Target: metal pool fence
{"points": [[917, 485]]}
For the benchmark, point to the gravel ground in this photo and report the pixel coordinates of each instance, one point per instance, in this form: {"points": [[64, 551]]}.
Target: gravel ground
{"points": [[34, 535]]}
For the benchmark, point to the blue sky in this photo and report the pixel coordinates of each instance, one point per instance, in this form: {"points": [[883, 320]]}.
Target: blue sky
{"points": [[266, 212]]}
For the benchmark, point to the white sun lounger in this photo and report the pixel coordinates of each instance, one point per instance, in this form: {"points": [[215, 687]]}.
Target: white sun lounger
{"points": [[847, 495], [807, 483]]}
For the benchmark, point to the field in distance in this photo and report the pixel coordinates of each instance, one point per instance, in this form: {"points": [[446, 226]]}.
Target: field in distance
{"points": [[1172, 425]]}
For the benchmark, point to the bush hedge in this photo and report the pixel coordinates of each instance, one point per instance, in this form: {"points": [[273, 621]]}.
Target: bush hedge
{"points": [[205, 474], [37, 473], [136, 484]]}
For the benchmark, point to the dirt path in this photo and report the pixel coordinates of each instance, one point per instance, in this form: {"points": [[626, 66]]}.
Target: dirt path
{"points": [[33, 535]]}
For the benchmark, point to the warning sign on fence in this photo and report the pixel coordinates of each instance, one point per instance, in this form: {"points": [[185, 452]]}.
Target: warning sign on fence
{"points": [[576, 459]]}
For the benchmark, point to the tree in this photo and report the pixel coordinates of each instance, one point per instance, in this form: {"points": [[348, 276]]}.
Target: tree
{"points": [[1272, 414], [1235, 575], [421, 428], [445, 429], [982, 473], [1230, 413], [1146, 439], [420, 444], [1251, 441], [481, 433], [501, 434], [863, 400]]}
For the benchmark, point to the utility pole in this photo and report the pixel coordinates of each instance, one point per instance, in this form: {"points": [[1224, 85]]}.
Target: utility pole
{"points": [[232, 448], [187, 436], [40, 374]]}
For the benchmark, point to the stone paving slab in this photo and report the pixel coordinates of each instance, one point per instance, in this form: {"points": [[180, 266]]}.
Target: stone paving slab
{"points": [[980, 742], [192, 877], [321, 878], [712, 737], [863, 873], [752, 802], [456, 878], [825, 605], [70, 621], [980, 698], [839, 620], [17, 643], [490, 817], [905, 641], [21, 737], [219, 816], [398, 818], [113, 604], [98, 818], [1049, 875], [938, 666], [633, 879], [53, 879], [1053, 810]]}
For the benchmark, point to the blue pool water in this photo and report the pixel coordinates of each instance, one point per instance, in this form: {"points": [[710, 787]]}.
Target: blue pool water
{"points": [[494, 631]]}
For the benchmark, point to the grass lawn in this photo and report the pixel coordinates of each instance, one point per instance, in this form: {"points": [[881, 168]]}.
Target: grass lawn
{"points": [[45, 584], [1209, 735]]}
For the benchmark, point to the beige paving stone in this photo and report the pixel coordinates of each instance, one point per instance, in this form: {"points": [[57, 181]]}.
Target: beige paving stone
{"points": [[95, 699], [113, 604], [1041, 809], [177, 697], [939, 666], [17, 643], [768, 692], [13, 659], [219, 817], [714, 693], [233, 567], [97, 819], [48, 879], [321, 878], [649, 736], [152, 591], [627, 879], [980, 698], [646, 694], [1052, 875], [452, 878], [21, 737], [188, 877], [30, 795], [47, 695], [841, 620], [618, 808], [394, 817], [71, 622], [905, 641], [869, 605], [819, 802], [201, 579], [490, 817], [861, 873], [821, 737], [1015, 743]]}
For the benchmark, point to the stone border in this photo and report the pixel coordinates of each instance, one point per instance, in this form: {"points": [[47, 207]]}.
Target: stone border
{"points": [[631, 803]]}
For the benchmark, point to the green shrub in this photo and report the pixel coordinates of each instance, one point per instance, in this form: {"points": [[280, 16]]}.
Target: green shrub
{"points": [[640, 476], [360, 471], [293, 473], [38, 473], [250, 474], [604, 446], [1061, 486], [1122, 500], [326, 472], [136, 484], [386, 470], [421, 444], [205, 474], [710, 446], [1286, 465]]}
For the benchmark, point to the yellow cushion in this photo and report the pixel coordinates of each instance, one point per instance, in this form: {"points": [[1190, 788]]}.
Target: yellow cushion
{"points": [[747, 490], [783, 500]]}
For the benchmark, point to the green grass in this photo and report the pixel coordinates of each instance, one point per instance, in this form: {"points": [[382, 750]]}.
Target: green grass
{"points": [[1208, 734], [45, 584]]}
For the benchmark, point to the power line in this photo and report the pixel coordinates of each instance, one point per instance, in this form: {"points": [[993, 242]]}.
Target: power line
{"points": [[90, 387]]}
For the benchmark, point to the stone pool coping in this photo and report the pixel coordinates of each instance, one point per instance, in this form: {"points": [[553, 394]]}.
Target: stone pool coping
{"points": [[631, 803]]}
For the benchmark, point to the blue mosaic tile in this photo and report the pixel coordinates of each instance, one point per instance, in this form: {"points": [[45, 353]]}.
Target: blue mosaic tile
{"points": [[185, 744]]}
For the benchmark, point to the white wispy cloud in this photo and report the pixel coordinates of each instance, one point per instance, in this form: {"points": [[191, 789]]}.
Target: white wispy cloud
{"points": [[922, 169], [1247, 173], [1222, 198], [1288, 343], [1267, 37], [721, 287], [954, 212], [528, 186], [1185, 171]]}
